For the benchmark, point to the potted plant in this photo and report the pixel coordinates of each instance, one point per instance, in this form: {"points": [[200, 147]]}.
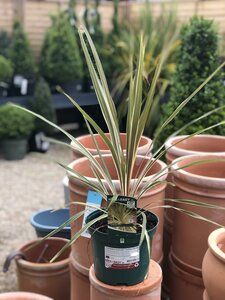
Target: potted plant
{"points": [[22, 60], [15, 128], [6, 72], [42, 103], [60, 61], [120, 217]]}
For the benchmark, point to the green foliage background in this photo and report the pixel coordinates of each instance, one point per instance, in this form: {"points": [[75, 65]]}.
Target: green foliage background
{"points": [[6, 69], [42, 104], [197, 59], [15, 123], [60, 59], [20, 52]]}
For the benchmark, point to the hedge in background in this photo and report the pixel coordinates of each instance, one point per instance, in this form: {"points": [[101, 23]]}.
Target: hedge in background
{"points": [[197, 59], [6, 69], [20, 52], [60, 57], [42, 104]]}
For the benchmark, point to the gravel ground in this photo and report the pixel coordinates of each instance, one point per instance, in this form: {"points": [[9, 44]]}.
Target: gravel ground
{"points": [[26, 186]]}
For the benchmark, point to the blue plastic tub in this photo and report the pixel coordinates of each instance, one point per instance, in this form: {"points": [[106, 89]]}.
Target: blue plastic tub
{"points": [[45, 221]]}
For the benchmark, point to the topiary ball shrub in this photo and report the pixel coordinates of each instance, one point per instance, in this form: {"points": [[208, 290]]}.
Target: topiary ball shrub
{"points": [[197, 59], [20, 53], [42, 104], [15, 123], [6, 69], [60, 60]]}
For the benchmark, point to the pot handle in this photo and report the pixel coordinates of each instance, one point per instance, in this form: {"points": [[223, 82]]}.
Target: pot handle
{"points": [[10, 257]]}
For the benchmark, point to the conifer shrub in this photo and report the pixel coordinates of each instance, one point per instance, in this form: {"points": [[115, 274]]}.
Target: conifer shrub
{"points": [[197, 58], [42, 104], [60, 60], [20, 52]]}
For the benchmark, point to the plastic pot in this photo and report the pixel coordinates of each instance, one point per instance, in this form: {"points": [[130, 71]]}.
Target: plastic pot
{"points": [[118, 258], [78, 192], [45, 221], [213, 267], [36, 274], [149, 289], [14, 149]]}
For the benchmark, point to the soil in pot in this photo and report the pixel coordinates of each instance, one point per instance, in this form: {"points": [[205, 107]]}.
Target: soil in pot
{"points": [[118, 258]]}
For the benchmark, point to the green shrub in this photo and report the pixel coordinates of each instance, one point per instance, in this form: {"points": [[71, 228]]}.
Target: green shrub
{"points": [[20, 52], [6, 69], [15, 123], [42, 104], [4, 43], [197, 59], [60, 57]]}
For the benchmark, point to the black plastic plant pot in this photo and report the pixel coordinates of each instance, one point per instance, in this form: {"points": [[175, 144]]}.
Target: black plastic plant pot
{"points": [[118, 258]]}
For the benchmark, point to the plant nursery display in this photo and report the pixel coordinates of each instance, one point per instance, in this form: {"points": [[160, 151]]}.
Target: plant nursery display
{"points": [[121, 227], [15, 128]]}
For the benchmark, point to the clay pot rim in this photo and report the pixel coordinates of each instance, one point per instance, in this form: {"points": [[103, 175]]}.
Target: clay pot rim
{"points": [[216, 237], [131, 290], [116, 181], [24, 296], [193, 178], [39, 266], [175, 150], [148, 142]]}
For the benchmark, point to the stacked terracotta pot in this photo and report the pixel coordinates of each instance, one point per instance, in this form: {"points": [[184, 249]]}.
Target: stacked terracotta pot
{"points": [[213, 267], [81, 256], [202, 182]]}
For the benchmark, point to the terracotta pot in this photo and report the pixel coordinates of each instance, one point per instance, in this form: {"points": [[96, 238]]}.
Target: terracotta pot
{"points": [[213, 267], [80, 284], [204, 183], [199, 144], [78, 192], [144, 148], [184, 285], [205, 295], [23, 296], [36, 274], [150, 289]]}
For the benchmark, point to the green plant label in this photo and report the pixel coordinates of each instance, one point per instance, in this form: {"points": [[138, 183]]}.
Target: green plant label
{"points": [[94, 199], [122, 258]]}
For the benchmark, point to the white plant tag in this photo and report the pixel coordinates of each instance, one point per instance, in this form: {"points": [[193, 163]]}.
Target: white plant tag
{"points": [[24, 86], [93, 198], [122, 258]]}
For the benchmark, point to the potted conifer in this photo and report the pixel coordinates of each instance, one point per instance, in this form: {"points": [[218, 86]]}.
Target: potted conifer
{"points": [[60, 61], [22, 60]]}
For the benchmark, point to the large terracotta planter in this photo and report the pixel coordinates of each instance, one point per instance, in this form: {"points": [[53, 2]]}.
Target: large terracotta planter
{"points": [[144, 148], [80, 285], [150, 289], [78, 192], [198, 145], [203, 183], [35, 274], [23, 296], [213, 267], [183, 285]]}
